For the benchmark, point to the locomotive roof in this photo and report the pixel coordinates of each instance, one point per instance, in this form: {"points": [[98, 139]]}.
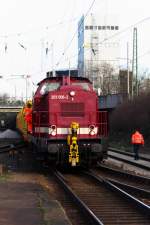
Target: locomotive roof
{"points": [[60, 78]]}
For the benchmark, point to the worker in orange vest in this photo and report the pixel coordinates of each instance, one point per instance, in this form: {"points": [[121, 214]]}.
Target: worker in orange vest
{"points": [[28, 116], [137, 140]]}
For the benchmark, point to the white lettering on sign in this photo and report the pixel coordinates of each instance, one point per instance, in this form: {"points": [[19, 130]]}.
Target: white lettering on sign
{"points": [[59, 97]]}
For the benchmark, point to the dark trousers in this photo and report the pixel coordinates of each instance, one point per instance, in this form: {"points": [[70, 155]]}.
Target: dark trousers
{"points": [[136, 151]]}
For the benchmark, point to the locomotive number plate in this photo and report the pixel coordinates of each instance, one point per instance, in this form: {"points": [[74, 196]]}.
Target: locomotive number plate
{"points": [[59, 97]]}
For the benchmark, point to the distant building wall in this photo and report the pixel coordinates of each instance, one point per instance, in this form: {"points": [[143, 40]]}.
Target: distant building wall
{"points": [[93, 47], [81, 46]]}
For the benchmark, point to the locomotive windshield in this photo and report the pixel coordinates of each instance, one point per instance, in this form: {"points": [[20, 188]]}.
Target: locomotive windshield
{"points": [[46, 87], [85, 86]]}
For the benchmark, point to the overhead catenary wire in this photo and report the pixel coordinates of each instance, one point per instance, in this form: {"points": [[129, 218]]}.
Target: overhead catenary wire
{"points": [[19, 33], [117, 34], [6, 42], [7, 36], [71, 15], [70, 42], [144, 54], [125, 29]]}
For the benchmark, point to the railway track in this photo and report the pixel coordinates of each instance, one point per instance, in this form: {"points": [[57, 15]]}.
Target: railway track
{"points": [[142, 156], [123, 177], [15, 156], [102, 202], [11, 147], [137, 186], [128, 158]]}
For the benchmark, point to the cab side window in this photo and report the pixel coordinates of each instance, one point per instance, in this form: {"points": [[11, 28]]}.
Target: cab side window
{"points": [[47, 87]]}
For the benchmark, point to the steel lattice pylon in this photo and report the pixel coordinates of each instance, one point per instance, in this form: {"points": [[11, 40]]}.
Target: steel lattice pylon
{"points": [[135, 64]]}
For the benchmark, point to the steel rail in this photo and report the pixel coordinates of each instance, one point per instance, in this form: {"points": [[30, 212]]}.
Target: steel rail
{"points": [[90, 215], [10, 147], [129, 187], [141, 156], [126, 174], [4, 146], [135, 163], [137, 203]]}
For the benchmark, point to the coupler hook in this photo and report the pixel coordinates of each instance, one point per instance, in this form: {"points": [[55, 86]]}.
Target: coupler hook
{"points": [[73, 144]]}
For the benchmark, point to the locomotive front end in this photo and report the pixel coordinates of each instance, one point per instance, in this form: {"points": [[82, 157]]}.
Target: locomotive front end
{"points": [[69, 121]]}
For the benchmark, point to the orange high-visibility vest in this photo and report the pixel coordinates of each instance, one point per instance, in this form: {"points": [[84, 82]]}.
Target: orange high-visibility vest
{"points": [[28, 118], [28, 114], [137, 138]]}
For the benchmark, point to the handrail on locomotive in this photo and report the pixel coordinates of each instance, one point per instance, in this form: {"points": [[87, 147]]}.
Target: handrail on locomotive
{"points": [[101, 122]]}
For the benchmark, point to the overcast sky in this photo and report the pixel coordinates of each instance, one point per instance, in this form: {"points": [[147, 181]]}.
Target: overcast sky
{"points": [[28, 26]]}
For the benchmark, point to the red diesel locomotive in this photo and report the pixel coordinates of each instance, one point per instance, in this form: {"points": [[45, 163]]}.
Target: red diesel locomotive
{"points": [[67, 126]]}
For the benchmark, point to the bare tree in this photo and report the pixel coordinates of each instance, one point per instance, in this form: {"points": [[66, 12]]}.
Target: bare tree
{"points": [[4, 99], [109, 79]]}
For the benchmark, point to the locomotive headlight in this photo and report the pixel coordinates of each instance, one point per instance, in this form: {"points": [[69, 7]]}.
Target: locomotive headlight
{"points": [[53, 133], [92, 132], [72, 93]]}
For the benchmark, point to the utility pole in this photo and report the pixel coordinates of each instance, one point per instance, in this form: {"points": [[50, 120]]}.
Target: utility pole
{"points": [[135, 64], [52, 58], [42, 61], [94, 53], [69, 69]]}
